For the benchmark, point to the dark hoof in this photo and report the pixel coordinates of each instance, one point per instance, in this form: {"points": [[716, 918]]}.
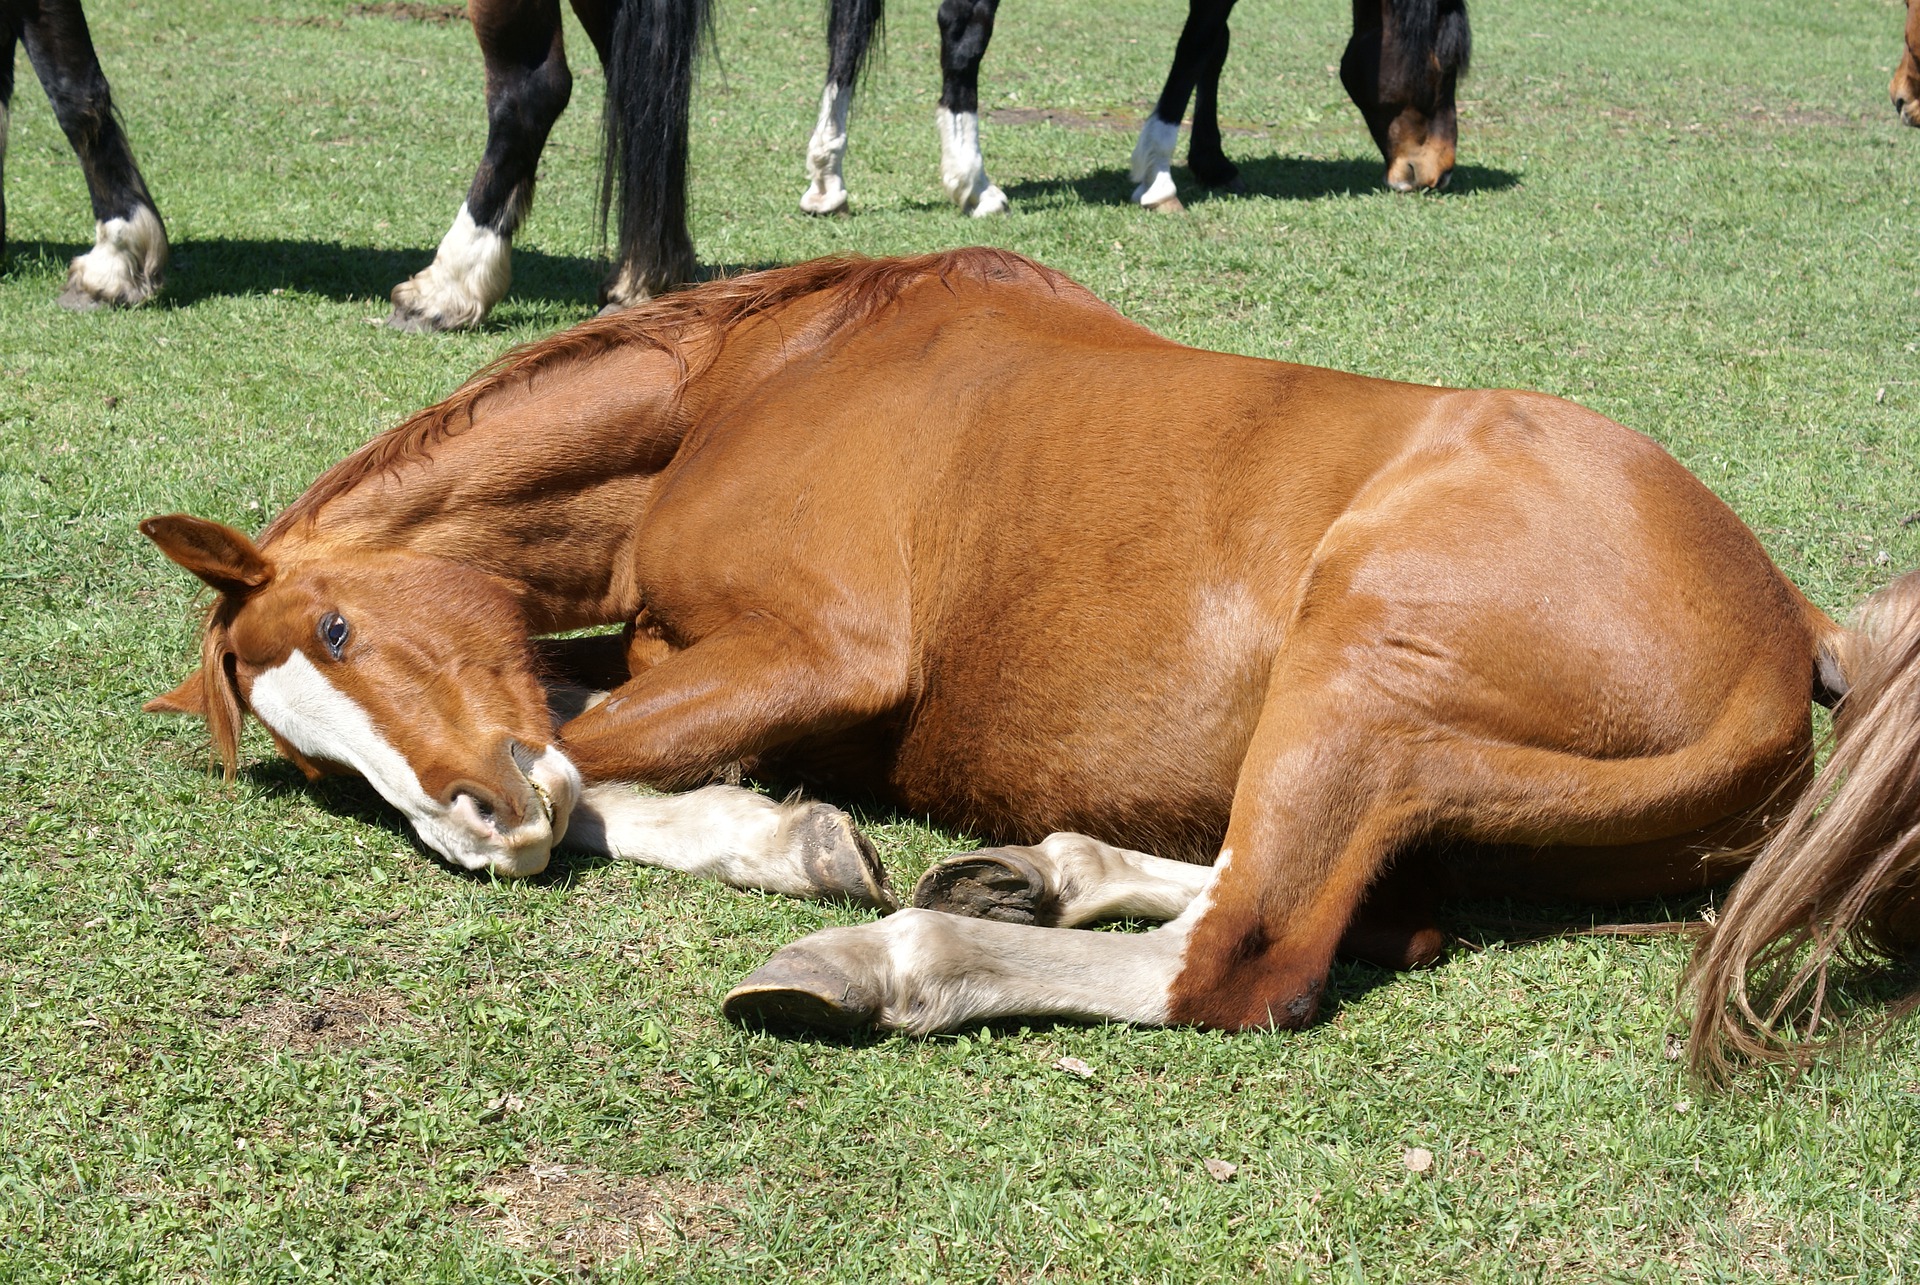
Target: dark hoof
{"points": [[843, 864], [796, 990], [995, 883]]}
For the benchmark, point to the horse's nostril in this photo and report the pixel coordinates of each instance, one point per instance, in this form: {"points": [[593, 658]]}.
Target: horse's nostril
{"points": [[482, 806]]}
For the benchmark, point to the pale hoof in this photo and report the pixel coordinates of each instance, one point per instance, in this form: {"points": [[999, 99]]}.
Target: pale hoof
{"points": [[796, 990], [995, 883], [831, 201], [413, 315], [840, 860], [1166, 205], [990, 202]]}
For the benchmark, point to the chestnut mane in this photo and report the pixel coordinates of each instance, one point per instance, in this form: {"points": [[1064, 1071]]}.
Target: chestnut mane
{"points": [[863, 286]]}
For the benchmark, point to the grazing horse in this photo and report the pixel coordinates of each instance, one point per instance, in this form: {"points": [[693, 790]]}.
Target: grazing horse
{"points": [[929, 528], [128, 261], [1906, 75], [1400, 68]]}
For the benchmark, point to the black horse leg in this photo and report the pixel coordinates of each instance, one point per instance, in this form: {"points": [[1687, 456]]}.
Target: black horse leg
{"points": [[129, 257], [966, 26], [527, 88], [9, 37], [1202, 45], [1205, 156], [850, 28]]}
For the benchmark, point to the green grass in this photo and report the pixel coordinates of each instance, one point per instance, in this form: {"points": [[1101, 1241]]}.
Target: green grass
{"points": [[253, 1033]]}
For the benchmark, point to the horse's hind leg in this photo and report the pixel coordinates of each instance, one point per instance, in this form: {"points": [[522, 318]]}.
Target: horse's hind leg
{"points": [[966, 26], [1202, 45], [1205, 156], [1064, 881], [9, 36], [128, 261], [527, 88], [850, 28]]}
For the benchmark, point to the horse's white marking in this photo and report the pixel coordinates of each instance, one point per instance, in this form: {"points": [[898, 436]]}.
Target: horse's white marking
{"points": [[937, 972], [124, 267], [318, 719], [963, 172], [1152, 167], [470, 273], [721, 832], [1093, 882], [826, 191]]}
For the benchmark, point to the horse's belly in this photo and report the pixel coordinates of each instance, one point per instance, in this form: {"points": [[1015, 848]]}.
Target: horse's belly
{"points": [[1125, 771]]}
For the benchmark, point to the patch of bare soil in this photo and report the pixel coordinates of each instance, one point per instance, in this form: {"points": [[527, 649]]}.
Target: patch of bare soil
{"points": [[405, 11], [585, 1217], [338, 1019]]}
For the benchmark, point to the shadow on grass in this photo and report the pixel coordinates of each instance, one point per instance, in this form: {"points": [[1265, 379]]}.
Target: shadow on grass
{"points": [[230, 268], [1286, 178]]}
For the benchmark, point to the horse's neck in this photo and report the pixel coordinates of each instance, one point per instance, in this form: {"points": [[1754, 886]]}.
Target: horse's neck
{"points": [[544, 488]]}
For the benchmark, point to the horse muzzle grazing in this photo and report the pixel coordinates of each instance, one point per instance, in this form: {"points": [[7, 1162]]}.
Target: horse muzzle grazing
{"points": [[1906, 75]]}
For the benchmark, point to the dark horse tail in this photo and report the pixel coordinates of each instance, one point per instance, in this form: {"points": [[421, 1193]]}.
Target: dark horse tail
{"points": [[1840, 875], [852, 26], [650, 63], [1429, 36]]}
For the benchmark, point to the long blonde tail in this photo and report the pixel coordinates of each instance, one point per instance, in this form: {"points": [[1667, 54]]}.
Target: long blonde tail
{"points": [[1841, 874]]}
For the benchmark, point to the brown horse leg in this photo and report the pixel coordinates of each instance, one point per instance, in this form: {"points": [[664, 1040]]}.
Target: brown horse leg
{"points": [[527, 88]]}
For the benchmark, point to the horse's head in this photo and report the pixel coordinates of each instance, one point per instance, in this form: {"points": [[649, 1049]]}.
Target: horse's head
{"points": [[1906, 75], [411, 670], [1400, 73]]}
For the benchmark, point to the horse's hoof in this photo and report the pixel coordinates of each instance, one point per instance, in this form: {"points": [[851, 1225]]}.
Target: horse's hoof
{"points": [[76, 299], [990, 202], [840, 860], [1167, 205], [831, 201], [797, 990], [994, 883]]}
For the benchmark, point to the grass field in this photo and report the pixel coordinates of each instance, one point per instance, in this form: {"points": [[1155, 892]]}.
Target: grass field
{"points": [[254, 1033]]}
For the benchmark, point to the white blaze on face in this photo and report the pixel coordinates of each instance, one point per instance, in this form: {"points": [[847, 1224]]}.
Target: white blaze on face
{"points": [[826, 191], [319, 720], [963, 172], [470, 273]]}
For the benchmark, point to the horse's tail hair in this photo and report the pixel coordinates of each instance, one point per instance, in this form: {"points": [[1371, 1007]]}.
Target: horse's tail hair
{"points": [[650, 64], [1839, 876], [1430, 40], [853, 27]]}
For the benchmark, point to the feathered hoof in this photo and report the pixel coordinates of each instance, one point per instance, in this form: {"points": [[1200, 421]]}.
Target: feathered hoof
{"points": [[842, 863], [994, 883], [797, 990]]}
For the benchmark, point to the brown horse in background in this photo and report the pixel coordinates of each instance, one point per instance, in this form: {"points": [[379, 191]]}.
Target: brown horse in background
{"points": [[931, 528], [1906, 74]]}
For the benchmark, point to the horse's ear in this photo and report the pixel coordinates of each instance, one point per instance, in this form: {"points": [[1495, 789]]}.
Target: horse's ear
{"points": [[218, 554], [189, 697]]}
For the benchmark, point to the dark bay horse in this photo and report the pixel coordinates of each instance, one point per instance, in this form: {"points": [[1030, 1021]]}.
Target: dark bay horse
{"points": [[1906, 73], [929, 528], [128, 261]]}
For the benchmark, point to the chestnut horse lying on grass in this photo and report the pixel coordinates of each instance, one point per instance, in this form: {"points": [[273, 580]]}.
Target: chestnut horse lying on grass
{"points": [[933, 528]]}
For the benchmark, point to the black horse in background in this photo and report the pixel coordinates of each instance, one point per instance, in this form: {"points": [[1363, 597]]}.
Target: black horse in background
{"points": [[1400, 68], [128, 260]]}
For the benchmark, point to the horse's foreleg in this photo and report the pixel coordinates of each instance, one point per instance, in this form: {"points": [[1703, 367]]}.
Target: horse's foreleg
{"points": [[1205, 156], [128, 261], [737, 837], [527, 88], [850, 28], [1064, 881], [966, 26], [9, 36], [1203, 36]]}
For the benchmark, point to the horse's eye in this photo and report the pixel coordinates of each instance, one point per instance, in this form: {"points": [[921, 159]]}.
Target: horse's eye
{"points": [[333, 632]]}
